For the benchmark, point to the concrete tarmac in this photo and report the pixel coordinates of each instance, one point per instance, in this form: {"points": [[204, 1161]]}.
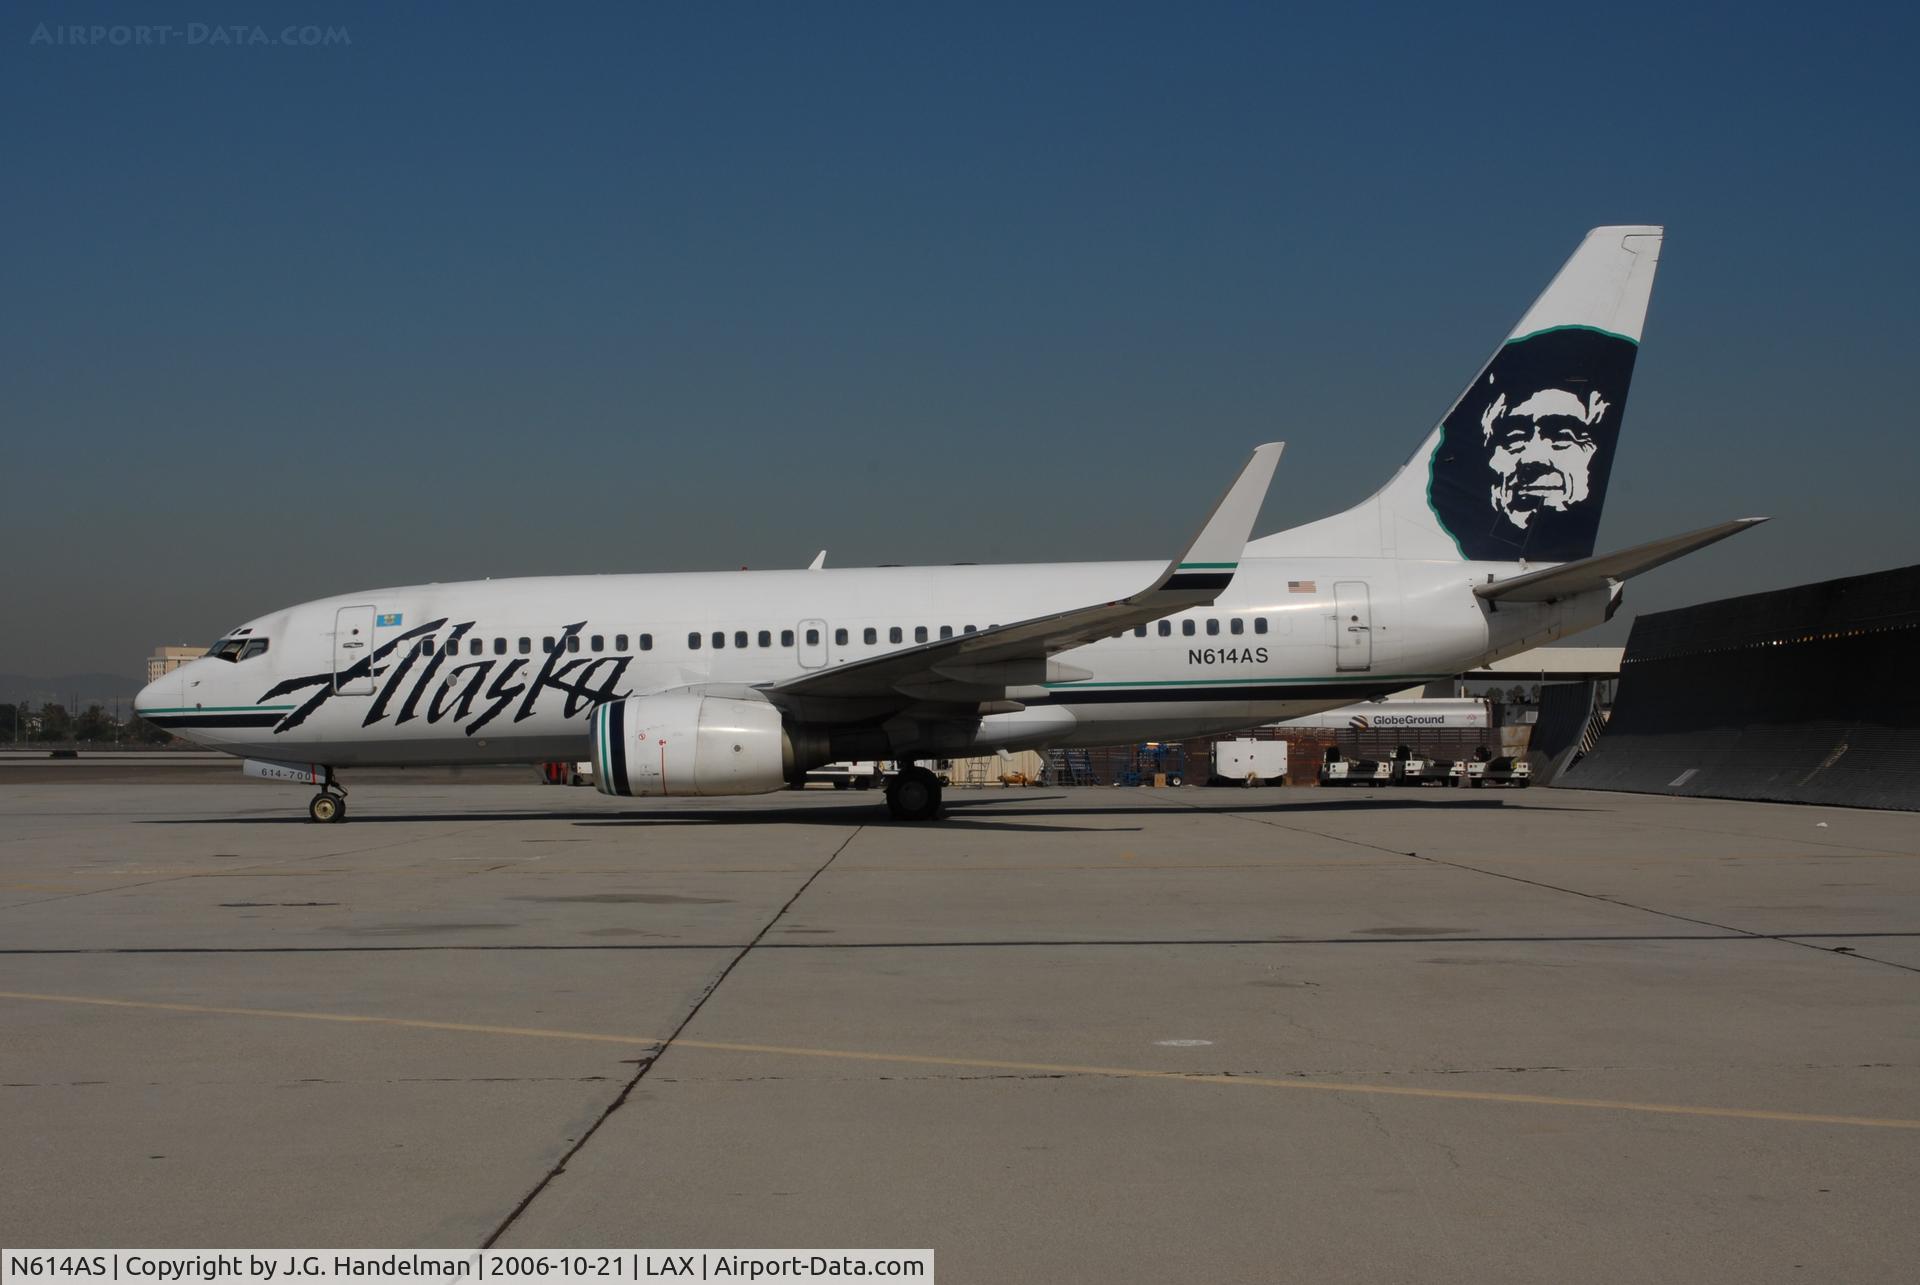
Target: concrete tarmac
{"points": [[1064, 1035]]}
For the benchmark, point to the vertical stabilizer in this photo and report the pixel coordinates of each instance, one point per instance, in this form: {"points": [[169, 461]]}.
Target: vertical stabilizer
{"points": [[1517, 470]]}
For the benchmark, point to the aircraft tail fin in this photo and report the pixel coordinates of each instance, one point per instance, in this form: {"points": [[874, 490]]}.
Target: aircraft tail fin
{"points": [[1517, 470]]}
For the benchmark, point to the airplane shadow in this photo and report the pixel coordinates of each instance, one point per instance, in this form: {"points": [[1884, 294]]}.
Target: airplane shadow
{"points": [[956, 815]]}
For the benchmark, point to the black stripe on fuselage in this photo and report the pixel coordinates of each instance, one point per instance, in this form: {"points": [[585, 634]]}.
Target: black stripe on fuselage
{"points": [[1345, 693], [1198, 580], [212, 720]]}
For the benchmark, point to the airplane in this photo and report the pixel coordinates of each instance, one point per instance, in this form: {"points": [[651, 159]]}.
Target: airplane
{"points": [[737, 682]]}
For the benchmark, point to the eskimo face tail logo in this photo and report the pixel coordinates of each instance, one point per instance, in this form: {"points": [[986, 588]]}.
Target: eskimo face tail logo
{"points": [[1522, 466]]}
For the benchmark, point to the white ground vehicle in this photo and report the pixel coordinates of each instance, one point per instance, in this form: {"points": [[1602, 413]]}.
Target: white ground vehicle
{"points": [[1411, 768], [858, 774], [1516, 772], [1246, 761], [1339, 770]]}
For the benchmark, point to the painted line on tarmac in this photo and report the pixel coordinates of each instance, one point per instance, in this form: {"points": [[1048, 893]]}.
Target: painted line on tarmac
{"points": [[470, 1028], [999, 1064]]}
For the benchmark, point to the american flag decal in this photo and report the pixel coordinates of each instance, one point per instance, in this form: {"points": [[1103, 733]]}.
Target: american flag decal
{"points": [[1302, 586]]}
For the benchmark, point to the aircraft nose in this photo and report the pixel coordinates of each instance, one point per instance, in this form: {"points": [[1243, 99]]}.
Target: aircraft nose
{"points": [[165, 692]]}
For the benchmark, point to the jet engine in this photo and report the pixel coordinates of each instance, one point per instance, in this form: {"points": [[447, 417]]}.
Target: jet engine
{"points": [[682, 743]]}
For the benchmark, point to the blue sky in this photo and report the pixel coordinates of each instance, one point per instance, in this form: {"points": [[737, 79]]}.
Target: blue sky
{"points": [[486, 291]]}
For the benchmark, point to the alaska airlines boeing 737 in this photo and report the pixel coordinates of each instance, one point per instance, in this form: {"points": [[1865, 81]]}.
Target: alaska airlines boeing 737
{"points": [[738, 682]]}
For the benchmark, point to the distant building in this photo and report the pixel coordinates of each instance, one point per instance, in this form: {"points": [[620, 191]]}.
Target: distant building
{"points": [[167, 659]]}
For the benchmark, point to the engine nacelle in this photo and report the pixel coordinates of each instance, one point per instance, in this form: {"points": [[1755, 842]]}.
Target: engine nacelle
{"points": [[685, 743]]}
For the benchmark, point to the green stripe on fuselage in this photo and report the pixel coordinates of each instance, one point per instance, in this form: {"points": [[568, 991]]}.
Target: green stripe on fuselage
{"points": [[1356, 678]]}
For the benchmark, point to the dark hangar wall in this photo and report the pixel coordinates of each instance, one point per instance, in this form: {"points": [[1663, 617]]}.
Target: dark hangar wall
{"points": [[1802, 695]]}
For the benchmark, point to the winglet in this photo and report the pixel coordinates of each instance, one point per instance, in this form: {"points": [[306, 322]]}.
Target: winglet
{"points": [[1214, 555], [1588, 574], [819, 560]]}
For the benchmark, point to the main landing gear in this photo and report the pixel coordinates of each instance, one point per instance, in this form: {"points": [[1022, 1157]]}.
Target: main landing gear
{"points": [[331, 803], [913, 794]]}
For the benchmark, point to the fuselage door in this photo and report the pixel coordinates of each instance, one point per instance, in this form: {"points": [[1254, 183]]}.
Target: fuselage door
{"points": [[810, 643], [353, 647], [1352, 626]]}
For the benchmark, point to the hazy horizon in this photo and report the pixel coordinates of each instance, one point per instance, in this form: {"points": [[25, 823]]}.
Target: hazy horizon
{"points": [[498, 293]]}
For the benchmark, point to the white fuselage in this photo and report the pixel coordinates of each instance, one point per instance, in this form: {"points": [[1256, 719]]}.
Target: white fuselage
{"points": [[515, 666]]}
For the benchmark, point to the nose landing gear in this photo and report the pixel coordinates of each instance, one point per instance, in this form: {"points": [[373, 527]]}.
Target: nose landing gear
{"points": [[331, 803]]}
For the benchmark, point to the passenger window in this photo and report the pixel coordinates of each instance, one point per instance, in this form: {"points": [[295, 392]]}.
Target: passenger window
{"points": [[1213, 627], [693, 642], [870, 635], [740, 638], [766, 638], [919, 633], [546, 642], [573, 642], [1236, 626], [453, 648], [1139, 631], [426, 647], [719, 639], [786, 637], [526, 646], [1186, 628], [1166, 629], [813, 637], [499, 646], [599, 643], [946, 632], [894, 635], [646, 642], [1259, 624], [968, 629], [619, 642]]}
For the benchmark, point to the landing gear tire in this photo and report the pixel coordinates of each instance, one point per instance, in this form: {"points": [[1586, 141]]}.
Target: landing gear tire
{"points": [[914, 795], [327, 807]]}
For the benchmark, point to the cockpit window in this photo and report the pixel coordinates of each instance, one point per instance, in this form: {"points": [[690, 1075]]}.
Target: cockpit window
{"points": [[238, 648]]}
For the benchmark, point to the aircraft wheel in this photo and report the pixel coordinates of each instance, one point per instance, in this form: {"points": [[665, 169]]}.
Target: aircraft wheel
{"points": [[327, 807], [914, 795]]}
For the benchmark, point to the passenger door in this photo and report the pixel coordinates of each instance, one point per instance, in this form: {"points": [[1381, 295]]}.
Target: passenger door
{"points": [[1352, 626], [352, 643], [810, 643]]}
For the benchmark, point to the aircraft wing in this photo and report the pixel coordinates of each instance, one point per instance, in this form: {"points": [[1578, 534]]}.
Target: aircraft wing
{"points": [[1601, 572], [983, 664]]}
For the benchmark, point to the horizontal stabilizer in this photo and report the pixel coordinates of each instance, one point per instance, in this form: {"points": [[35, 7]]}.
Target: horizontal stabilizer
{"points": [[1608, 569]]}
